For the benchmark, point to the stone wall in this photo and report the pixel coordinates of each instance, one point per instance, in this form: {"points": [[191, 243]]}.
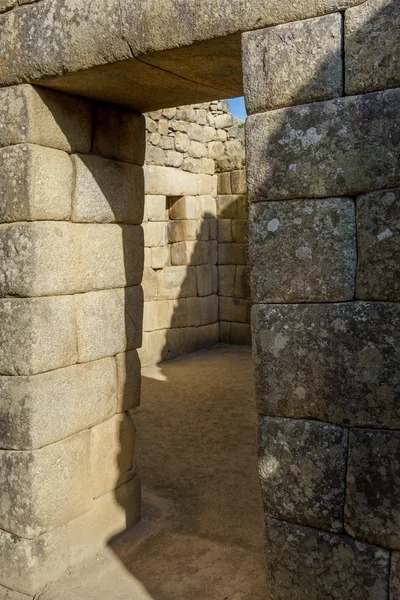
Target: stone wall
{"points": [[196, 273]]}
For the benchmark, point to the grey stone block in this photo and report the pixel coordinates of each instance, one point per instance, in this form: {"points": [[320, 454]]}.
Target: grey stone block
{"points": [[331, 362], [303, 250], [372, 511], [293, 63], [394, 585], [302, 467], [378, 235], [303, 562], [335, 148]]}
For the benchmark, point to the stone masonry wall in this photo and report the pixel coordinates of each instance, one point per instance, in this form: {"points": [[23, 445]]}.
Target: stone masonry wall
{"points": [[191, 153], [323, 162]]}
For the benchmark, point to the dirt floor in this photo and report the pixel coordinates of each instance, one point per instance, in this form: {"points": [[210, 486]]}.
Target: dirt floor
{"points": [[201, 536]]}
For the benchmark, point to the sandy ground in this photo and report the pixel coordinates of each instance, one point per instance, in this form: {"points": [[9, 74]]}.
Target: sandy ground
{"points": [[201, 535]]}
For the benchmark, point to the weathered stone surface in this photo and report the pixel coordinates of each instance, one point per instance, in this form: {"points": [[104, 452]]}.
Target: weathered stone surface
{"points": [[42, 409], [303, 562], [7, 4], [128, 380], [119, 134], [293, 63], [37, 116], [156, 207], [44, 489], [372, 47], [302, 466], [177, 282], [111, 453], [372, 511], [36, 334], [175, 182], [36, 257], [303, 250], [232, 254], [394, 585], [27, 565], [107, 191], [378, 235], [209, 309], [234, 309], [334, 148], [111, 514], [108, 322], [331, 362], [35, 184]]}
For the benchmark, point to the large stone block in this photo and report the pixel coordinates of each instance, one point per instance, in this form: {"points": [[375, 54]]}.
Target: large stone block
{"points": [[158, 315], [189, 253], [35, 184], [119, 134], [36, 334], [177, 282], [209, 310], [372, 511], [303, 562], [175, 182], [37, 116], [111, 515], [378, 236], [41, 409], [394, 585], [28, 565], [334, 148], [155, 234], [184, 207], [107, 191], [232, 254], [44, 489], [331, 362], [108, 322], [293, 63], [302, 467], [234, 309], [160, 345], [372, 47], [128, 380], [183, 230], [303, 250], [157, 209], [111, 453]]}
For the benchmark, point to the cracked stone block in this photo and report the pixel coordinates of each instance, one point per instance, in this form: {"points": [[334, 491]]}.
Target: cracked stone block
{"points": [[303, 562], [372, 511], [372, 47], [302, 467], [293, 63], [339, 147], [35, 184], [41, 409], [38, 116], [45, 488], [331, 362], [36, 334], [378, 236], [107, 191], [108, 322], [303, 250], [119, 134]]}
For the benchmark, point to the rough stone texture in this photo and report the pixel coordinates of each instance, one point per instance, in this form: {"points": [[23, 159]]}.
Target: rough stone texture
{"points": [[42, 409], [36, 258], [394, 586], [302, 467], [129, 144], [128, 381], [334, 148], [175, 182], [37, 116], [372, 47], [378, 235], [306, 563], [372, 511], [27, 565], [43, 489], [35, 184], [303, 250], [307, 355], [111, 514], [108, 322], [111, 453], [293, 63], [107, 191], [36, 335]]}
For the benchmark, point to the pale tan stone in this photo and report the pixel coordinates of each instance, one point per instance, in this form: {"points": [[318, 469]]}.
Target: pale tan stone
{"points": [[128, 380], [224, 183], [183, 230], [177, 282], [180, 313], [44, 489], [160, 257], [208, 207], [155, 156], [119, 134], [35, 184], [163, 126], [175, 182], [147, 258], [149, 284], [182, 142], [157, 209], [107, 191], [111, 453], [36, 334], [184, 207], [209, 310], [238, 182], [108, 322], [41, 409], [155, 234], [38, 116], [111, 515], [189, 253], [158, 314], [227, 206], [162, 344]]}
